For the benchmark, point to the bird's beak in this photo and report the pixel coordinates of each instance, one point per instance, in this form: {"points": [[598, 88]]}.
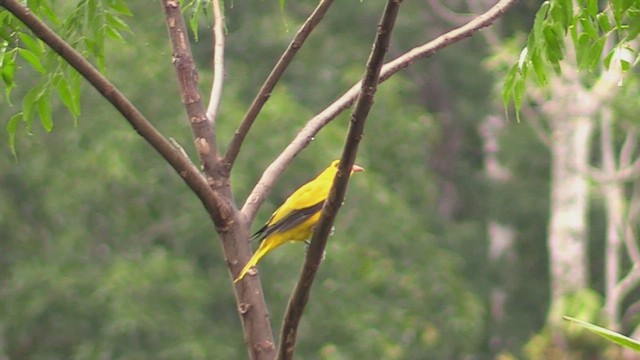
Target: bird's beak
{"points": [[356, 168]]}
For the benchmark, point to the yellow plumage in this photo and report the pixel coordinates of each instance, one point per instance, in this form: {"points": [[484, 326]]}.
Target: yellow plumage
{"points": [[295, 218]]}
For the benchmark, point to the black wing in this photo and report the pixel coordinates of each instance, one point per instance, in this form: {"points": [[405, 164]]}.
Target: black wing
{"points": [[288, 222]]}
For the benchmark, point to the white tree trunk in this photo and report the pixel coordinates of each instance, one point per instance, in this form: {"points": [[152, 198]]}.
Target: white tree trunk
{"points": [[571, 139]]}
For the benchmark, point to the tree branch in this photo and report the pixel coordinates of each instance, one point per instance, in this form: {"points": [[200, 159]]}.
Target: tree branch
{"points": [[234, 234], [628, 173], [628, 283], [633, 212], [331, 206], [181, 164], [304, 137], [273, 78], [218, 63], [628, 147], [187, 74]]}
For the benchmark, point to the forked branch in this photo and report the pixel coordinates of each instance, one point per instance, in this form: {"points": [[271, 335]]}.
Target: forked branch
{"points": [[300, 295], [265, 91], [174, 156], [304, 137]]}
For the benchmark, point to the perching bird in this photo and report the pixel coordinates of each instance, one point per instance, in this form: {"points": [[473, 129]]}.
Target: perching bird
{"points": [[294, 220]]}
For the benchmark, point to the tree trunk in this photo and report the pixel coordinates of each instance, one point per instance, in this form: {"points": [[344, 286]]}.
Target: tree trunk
{"points": [[614, 205], [567, 242]]}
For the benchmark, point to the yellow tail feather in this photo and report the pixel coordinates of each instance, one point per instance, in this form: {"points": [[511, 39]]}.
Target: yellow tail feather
{"points": [[264, 248]]}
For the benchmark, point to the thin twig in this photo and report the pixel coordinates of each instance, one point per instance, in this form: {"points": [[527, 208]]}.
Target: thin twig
{"points": [[304, 137], [628, 283], [628, 147], [182, 165], [300, 295], [273, 78], [628, 173], [633, 212], [218, 62]]}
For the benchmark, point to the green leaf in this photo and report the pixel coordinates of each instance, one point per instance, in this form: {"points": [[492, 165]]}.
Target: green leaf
{"points": [[539, 68], [31, 43], [113, 34], [29, 103], [8, 67], [12, 128], [67, 97], [568, 10], [603, 22], [607, 59], [616, 6], [46, 10], [594, 54], [539, 19], [557, 14], [518, 95], [589, 27], [32, 59], [194, 19], [75, 82], [92, 13], [633, 31], [582, 47], [44, 110], [592, 7], [119, 6], [116, 22], [33, 4], [608, 334], [507, 87], [554, 46]]}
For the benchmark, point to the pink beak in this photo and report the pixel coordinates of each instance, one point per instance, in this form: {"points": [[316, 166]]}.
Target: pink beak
{"points": [[356, 168]]}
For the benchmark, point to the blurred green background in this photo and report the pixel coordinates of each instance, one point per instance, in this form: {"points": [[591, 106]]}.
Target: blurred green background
{"points": [[105, 253]]}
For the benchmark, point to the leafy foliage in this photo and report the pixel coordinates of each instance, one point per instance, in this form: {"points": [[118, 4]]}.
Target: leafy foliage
{"points": [[588, 27], [85, 26], [196, 8]]}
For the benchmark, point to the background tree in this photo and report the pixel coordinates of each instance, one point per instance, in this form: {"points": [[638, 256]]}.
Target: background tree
{"points": [[570, 40]]}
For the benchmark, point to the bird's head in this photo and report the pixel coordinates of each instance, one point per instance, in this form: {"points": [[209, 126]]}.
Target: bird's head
{"points": [[354, 169]]}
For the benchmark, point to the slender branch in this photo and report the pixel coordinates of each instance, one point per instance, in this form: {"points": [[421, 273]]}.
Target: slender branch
{"points": [[273, 78], [182, 165], [218, 62], [331, 206], [628, 147], [304, 137], [633, 212], [187, 74], [628, 283], [628, 173]]}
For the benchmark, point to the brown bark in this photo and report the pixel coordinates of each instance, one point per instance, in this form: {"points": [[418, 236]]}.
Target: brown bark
{"points": [[232, 226]]}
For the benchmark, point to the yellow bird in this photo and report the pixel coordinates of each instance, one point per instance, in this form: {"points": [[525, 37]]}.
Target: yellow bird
{"points": [[294, 220]]}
